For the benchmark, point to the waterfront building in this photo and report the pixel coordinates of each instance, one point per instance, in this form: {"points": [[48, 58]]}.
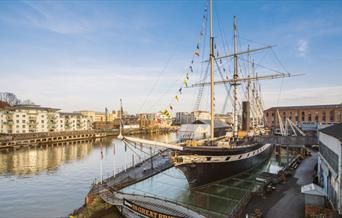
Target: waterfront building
{"points": [[309, 118], [146, 119], [200, 115], [330, 164], [34, 118], [99, 118], [75, 121]]}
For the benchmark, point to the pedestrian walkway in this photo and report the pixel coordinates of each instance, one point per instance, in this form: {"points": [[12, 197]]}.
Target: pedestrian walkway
{"points": [[287, 200]]}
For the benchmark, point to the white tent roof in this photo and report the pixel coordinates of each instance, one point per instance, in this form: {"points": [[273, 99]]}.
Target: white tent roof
{"points": [[313, 189]]}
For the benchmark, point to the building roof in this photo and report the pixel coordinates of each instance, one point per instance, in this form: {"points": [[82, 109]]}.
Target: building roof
{"points": [[70, 114], [4, 104], [313, 189], [325, 106], [217, 123], [34, 107], [334, 130]]}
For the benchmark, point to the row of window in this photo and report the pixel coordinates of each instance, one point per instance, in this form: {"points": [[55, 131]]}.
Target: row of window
{"points": [[310, 116]]}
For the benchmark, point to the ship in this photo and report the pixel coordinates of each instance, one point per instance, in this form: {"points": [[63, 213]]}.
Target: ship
{"points": [[216, 158]]}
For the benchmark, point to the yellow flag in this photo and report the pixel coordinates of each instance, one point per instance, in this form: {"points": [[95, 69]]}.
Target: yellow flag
{"points": [[176, 97], [185, 82]]}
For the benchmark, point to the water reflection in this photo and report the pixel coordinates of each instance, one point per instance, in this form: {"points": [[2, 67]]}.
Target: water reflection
{"points": [[32, 161]]}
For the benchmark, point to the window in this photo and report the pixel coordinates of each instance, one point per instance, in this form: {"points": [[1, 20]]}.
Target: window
{"points": [[324, 116], [23, 121], [17, 126], [332, 116], [42, 121], [303, 116], [309, 116], [17, 115], [316, 116], [23, 126], [17, 121], [23, 115]]}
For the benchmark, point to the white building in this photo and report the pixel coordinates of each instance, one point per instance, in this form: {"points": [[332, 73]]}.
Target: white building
{"points": [[330, 164], [75, 121], [33, 118], [194, 131], [201, 115]]}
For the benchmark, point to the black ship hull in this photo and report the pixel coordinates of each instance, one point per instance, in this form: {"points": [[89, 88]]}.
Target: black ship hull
{"points": [[233, 161]]}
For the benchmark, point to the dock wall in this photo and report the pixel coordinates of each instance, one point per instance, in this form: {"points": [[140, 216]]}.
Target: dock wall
{"points": [[15, 141]]}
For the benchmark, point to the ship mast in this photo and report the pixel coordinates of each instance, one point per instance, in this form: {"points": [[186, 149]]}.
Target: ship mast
{"points": [[211, 59], [235, 84]]}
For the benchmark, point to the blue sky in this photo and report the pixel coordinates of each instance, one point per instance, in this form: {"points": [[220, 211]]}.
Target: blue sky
{"points": [[77, 55]]}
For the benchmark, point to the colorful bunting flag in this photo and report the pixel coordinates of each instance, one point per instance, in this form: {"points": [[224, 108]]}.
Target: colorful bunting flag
{"points": [[176, 97], [185, 83], [180, 91]]}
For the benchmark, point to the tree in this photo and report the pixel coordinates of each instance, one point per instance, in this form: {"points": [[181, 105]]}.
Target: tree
{"points": [[12, 99]]}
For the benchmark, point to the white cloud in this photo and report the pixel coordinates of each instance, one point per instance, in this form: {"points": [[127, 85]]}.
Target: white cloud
{"points": [[302, 47]]}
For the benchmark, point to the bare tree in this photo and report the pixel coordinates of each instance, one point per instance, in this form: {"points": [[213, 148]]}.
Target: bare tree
{"points": [[12, 99]]}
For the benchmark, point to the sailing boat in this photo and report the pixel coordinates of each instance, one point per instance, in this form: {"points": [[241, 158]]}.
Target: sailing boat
{"points": [[219, 158]]}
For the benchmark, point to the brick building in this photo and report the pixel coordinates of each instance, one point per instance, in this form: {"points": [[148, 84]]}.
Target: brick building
{"points": [[305, 115]]}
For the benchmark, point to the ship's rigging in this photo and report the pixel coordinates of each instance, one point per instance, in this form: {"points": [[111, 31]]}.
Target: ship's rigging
{"points": [[211, 160], [244, 78]]}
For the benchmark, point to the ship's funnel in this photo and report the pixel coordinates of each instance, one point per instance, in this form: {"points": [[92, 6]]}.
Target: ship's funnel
{"points": [[245, 115]]}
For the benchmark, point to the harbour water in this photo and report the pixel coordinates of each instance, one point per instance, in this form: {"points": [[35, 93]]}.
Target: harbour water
{"points": [[53, 181]]}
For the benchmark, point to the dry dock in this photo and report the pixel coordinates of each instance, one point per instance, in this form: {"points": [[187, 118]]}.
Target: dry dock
{"points": [[166, 186]]}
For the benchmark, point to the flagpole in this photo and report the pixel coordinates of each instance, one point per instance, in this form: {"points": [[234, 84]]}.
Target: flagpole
{"points": [[114, 159], [101, 173], [125, 157]]}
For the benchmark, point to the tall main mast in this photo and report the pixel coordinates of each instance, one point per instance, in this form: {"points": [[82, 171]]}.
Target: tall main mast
{"points": [[211, 59], [235, 84]]}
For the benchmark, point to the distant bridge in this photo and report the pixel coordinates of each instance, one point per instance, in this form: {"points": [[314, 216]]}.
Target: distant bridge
{"points": [[292, 141]]}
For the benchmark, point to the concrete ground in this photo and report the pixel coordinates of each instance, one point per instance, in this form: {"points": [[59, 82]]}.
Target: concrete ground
{"points": [[287, 200]]}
